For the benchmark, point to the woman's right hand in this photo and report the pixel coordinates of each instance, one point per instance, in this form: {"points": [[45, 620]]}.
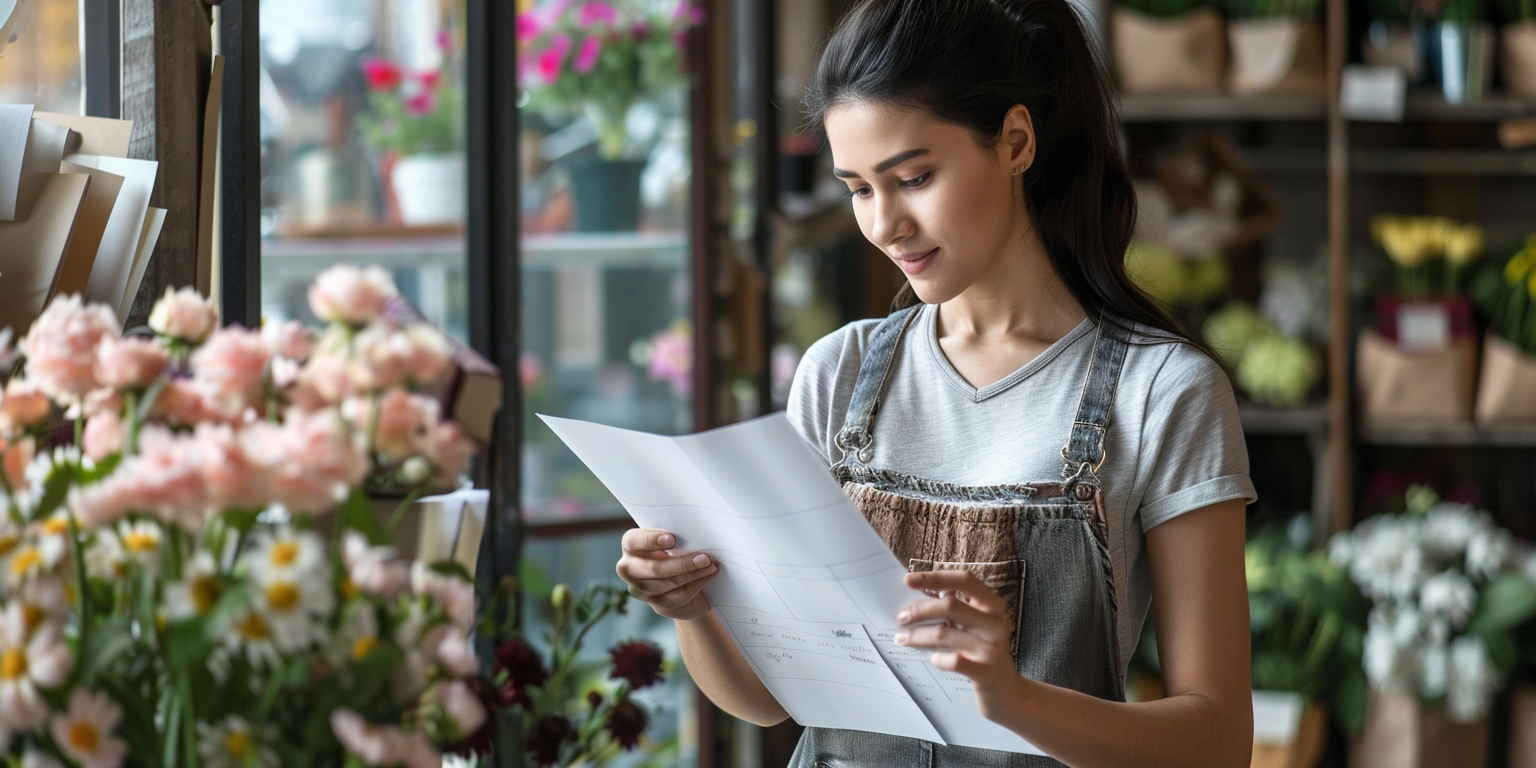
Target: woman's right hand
{"points": [[671, 585]]}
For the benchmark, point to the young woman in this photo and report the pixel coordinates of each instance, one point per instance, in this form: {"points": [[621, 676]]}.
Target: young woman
{"points": [[1028, 431]]}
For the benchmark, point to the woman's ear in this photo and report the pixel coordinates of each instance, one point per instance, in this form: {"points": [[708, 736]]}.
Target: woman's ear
{"points": [[1017, 148]]}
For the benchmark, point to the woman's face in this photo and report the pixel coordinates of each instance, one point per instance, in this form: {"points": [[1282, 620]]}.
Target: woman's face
{"points": [[945, 210]]}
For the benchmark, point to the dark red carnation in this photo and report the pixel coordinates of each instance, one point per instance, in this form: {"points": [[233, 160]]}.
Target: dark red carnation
{"points": [[545, 738], [595, 698], [637, 661], [625, 722], [479, 742]]}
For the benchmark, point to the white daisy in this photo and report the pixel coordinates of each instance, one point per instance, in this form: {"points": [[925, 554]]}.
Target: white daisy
{"points": [[197, 592], [105, 558], [291, 606], [1448, 594], [286, 554], [247, 633], [31, 659], [84, 732], [234, 743], [36, 759], [141, 542], [357, 636]]}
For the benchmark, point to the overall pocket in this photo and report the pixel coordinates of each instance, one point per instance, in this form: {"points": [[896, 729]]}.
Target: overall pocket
{"points": [[1005, 577]]}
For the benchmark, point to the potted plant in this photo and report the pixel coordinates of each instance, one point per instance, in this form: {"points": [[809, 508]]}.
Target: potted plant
{"points": [[1277, 46], [1446, 598], [598, 59], [1269, 366], [1506, 293], [1308, 624], [1419, 361], [1465, 43], [1517, 47], [416, 121], [1445, 44], [1168, 46]]}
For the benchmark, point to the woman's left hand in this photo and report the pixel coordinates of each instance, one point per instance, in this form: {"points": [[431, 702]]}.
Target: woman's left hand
{"points": [[974, 640]]}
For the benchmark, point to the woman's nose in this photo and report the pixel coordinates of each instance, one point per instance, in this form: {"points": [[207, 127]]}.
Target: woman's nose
{"points": [[892, 221]]}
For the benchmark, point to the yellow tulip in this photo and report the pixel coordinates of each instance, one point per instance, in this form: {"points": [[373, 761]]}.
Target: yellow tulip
{"points": [[1530, 285], [1518, 267], [1410, 242], [1463, 245]]}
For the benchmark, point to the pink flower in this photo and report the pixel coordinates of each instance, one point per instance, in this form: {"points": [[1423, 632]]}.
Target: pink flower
{"points": [[347, 294], [182, 403], [382, 74], [456, 655], [228, 369], [84, 732], [103, 435], [586, 56], [449, 450], [422, 103], [375, 571], [291, 340], [165, 478], [325, 380], [418, 752], [455, 595], [184, 315], [444, 40], [387, 356], [405, 422], [237, 466], [322, 461], [130, 363], [596, 12], [528, 27], [461, 705], [61, 347], [672, 359], [430, 79], [686, 10], [550, 60], [100, 505], [375, 745], [18, 456], [23, 405]]}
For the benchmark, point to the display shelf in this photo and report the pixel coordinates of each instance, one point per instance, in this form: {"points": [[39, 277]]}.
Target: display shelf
{"points": [[1433, 435], [1269, 420], [1221, 107], [1443, 162], [660, 250], [1433, 107]]}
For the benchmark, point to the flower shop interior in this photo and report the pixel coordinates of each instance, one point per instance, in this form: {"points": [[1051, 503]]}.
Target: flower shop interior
{"points": [[448, 217]]}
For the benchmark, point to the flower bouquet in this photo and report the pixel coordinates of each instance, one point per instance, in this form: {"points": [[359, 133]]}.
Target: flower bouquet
{"points": [[1506, 293], [1419, 361], [1446, 596], [1272, 368], [415, 121], [167, 597]]}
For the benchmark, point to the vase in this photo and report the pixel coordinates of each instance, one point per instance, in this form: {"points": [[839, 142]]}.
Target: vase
{"points": [[1183, 54], [1276, 56], [1517, 53], [607, 194], [1404, 46], [1423, 386], [1465, 58], [1400, 732], [1288, 731], [431, 189], [1506, 389]]}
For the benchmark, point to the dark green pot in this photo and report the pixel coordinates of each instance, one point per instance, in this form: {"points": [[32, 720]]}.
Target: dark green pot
{"points": [[607, 194]]}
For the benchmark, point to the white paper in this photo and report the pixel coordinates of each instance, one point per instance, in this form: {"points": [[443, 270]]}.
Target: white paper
{"points": [[794, 554], [1373, 93], [1422, 327], [154, 221], [120, 241], [15, 127], [1276, 716]]}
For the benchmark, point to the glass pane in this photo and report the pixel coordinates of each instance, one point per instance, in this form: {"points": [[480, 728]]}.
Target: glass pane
{"points": [[669, 739], [362, 138], [605, 209], [40, 54]]}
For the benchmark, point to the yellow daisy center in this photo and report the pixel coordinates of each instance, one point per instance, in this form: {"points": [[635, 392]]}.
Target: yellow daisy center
{"points": [[83, 737], [25, 560], [284, 553], [32, 616], [56, 526], [237, 743], [283, 596], [141, 542], [205, 592], [8, 543], [362, 646], [348, 589], [13, 664], [253, 628]]}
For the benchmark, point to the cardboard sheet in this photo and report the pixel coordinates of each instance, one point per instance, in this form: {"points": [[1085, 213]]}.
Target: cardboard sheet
{"points": [[120, 243], [153, 222], [89, 228], [34, 247], [98, 135], [15, 128]]}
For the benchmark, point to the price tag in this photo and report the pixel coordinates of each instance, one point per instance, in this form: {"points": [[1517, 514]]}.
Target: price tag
{"points": [[1373, 93], [1422, 327]]}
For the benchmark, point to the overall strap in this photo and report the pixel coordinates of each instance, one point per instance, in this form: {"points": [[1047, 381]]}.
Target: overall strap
{"points": [[1084, 452], [857, 432]]}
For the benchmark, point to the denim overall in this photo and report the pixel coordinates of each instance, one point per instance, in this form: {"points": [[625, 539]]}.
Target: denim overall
{"points": [[1043, 546]]}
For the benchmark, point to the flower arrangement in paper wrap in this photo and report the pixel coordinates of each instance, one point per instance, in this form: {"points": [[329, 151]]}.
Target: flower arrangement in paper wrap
{"points": [[561, 726], [1430, 254], [1446, 595], [1506, 293], [1308, 623], [413, 112], [601, 57], [166, 597]]}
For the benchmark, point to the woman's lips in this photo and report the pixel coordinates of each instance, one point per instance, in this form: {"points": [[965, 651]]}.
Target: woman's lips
{"points": [[914, 266]]}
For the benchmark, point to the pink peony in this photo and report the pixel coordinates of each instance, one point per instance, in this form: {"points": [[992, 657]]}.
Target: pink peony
{"points": [[387, 356], [103, 435], [450, 449], [129, 363], [18, 456], [290, 340], [325, 380], [181, 403], [404, 426], [61, 347], [456, 596], [347, 294], [456, 655], [586, 55], [417, 751], [165, 478], [228, 369], [183, 315], [375, 571], [237, 465], [596, 12], [322, 461], [23, 405]]}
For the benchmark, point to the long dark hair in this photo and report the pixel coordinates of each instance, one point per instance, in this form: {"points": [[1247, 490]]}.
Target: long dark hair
{"points": [[968, 62]]}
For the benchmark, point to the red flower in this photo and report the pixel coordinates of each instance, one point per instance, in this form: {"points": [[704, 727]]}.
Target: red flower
{"points": [[546, 736], [638, 662], [382, 74], [420, 103], [625, 722], [430, 78], [524, 668]]}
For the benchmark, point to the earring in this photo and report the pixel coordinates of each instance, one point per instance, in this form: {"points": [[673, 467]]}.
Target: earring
{"points": [[1016, 171]]}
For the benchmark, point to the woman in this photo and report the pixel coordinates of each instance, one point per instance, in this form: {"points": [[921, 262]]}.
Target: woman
{"points": [[1028, 431]]}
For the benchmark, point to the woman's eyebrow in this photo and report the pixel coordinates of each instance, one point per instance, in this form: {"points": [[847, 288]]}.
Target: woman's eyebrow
{"points": [[884, 165]]}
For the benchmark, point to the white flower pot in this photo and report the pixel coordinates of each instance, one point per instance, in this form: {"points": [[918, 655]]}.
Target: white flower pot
{"points": [[1276, 56], [1184, 54], [431, 189]]}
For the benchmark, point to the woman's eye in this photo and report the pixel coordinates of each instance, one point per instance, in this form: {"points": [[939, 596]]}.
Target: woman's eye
{"points": [[909, 183]]}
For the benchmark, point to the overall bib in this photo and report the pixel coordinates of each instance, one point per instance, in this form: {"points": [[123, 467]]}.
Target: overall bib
{"points": [[1042, 546]]}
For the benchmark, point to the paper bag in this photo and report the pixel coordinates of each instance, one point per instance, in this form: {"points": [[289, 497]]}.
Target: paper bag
{"points": [[1401, 733], [1522, 726], [1184, 54], [1506, 390], [1419, 386]]}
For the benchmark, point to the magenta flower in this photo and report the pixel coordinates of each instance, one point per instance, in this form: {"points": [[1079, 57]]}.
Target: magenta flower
{"points": [[551, 59], [687, 11], [586, 56], [421, 103], [528, 27], [444, 40], [597, 12], [382, 74]]}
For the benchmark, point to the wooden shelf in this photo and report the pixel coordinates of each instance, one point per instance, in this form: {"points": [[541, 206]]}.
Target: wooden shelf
{"points": [[1221, 108], [1463, 435], [1269, 420], [1434, 108], [1396, 162]]}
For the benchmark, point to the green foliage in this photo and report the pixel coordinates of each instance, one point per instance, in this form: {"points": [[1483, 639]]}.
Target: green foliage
{"points": [[1271, 9], [1505, 291], [1164, 9], [431, 124]]}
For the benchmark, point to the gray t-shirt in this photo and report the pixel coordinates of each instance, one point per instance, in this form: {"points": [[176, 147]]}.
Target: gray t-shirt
{"points": [[1175, 442]]}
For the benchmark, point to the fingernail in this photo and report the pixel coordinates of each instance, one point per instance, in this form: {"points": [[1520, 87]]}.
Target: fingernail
{"points": [[701, 560], [665, 540], [903, 616], [901, 638]]}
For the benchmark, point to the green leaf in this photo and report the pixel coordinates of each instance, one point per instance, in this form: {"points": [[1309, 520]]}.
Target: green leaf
{"points": [[451, 568], [356, 513], [1349, 698], [55, 489], [1505, 603]]}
